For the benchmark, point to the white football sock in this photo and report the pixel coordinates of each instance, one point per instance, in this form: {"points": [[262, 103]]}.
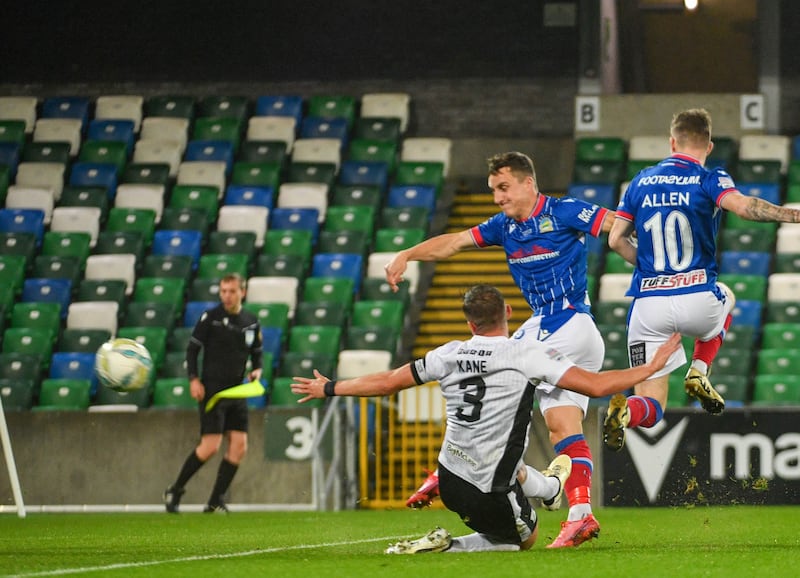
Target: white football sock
{"points": [[479, 543], [537, 485]]}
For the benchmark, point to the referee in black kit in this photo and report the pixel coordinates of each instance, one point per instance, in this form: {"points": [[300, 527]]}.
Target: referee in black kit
{"points": [[228, 336]]}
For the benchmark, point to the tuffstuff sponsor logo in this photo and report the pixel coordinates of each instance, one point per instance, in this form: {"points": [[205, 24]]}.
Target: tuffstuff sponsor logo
{"points": [[676, 281]]}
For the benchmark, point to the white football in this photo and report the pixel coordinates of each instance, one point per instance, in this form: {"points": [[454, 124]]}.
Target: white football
{"points": [[123, 364]]}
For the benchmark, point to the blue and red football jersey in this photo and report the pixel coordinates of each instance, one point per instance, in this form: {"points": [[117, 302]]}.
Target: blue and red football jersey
{"points": [[546, 252], [674, 207]]}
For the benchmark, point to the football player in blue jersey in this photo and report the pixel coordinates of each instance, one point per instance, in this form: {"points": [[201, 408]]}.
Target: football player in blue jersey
{"points": [[544, 239], [666, 225]]}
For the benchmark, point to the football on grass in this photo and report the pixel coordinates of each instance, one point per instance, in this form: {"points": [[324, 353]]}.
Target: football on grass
{"points": [[123, 364]]}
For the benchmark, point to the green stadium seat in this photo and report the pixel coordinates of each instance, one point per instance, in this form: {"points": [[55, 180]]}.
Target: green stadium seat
{"points": [[676, 394], [616, 264], [223, 242], [371, 337], [320, 313], [23, 244], [783, 312], [780, 335], [12, 271], [184, 219], [216, 266], [308, 172], [178, 340], [786, 262], [139, 398], [12, 131], [333, 106], [64, 394], [17, 394], [304, 363], [740, 336], [46, 152], [293, 242], [778, 390], [732, 361], [224, 106], [599, 172], [270, 314], [174, 364], [782, 361], [344, 241], [67, 243], [82, 340], [179, 266], [121, 243], [142, 221], [749, 287], [615, 359], [107, 152], [144, 314], [153, 338], [178, 106], [205, 198], [57, 267], [173, 393], [146, 174], [388, 313], [374, 151], [747, 240], [601, 149], [635, 166], [724, 153], [378, 128], [204, 289], [280, 266], [405, 218], [104, 290], [80, 196], [350, 218], [263, 151], [758, 171], [324, 339], [216, 128], [370, 195], [35, 341], [339, 289], [280, 394], [256, 174], [168, 290], [420, 173], [389, 240], [37, 315]]}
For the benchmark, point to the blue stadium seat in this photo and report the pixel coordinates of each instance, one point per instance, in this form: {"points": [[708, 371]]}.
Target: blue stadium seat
{"points": [[745, 263], [119, 130], [250, 195], [72, 365], [9, 156], [194, 309], [412, 196], [172, 242], [747, 312], [56, 290], [211, 150], [364, 173], [319, 127], [272, 342], [67, 107], [603, 195], [280, 105], [295, 218], [23, 221], [768, 191], [339, 265], [95, 175]]}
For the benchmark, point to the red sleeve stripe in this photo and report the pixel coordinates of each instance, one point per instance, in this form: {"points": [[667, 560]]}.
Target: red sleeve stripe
{"points": [[597, 225]]}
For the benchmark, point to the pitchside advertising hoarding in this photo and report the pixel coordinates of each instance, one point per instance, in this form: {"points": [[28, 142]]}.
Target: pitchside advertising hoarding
{"points": [[744, 456]]}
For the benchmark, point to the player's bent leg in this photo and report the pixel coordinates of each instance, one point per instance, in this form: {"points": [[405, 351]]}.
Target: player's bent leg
{"points": [[560, 468], [615, 422], [426, 492]]}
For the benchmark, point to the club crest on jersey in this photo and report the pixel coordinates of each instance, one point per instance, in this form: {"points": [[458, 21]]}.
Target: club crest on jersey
{"points": [[545, 224], [518, 334], [249, 337]]}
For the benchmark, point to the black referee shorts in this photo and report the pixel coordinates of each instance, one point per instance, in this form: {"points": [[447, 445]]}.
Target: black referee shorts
{"points": [[226, 415]]}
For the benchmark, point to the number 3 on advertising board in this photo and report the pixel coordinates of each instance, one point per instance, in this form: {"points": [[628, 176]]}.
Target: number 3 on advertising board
{"points": [[289, 433]]}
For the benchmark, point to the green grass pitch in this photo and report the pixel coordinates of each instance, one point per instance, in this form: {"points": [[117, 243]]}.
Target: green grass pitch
{"points": [[653, 542]]}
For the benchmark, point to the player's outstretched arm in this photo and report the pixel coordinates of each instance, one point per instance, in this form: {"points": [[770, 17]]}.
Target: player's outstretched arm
{"points": [[373, 384], [755, 209], [617, 380], [433, 249]]}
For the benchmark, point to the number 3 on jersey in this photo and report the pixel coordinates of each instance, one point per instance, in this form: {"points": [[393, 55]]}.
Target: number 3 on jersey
{"points": [[472, 413]]}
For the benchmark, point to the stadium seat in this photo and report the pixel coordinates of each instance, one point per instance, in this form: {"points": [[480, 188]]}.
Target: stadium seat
{"points": [[65, 243], [39, 314], [348, 265], [750, 287], [35, 341], [267, 265], [615, 263], [371, 338], [153, 151], [272, 339], [218, 129], [649, 148], [120, 243], [376, 264], [82, 340], [320, 313], [783, 311], [776, 390], [120, 266], [412, 196], [343, 242], [95, 175], [405, 218], [232, 242], [770, 192], [787, 241], [20, 244], [339, 289], [200, 197], [141, 196], [758, 171], [379, 128], [77, 219], [748, 313], [745, 263], [329, 128], [97, 197], [317, 150], [270, 314], [48, 290], [172, 242], [185, 219], [58, 267], [166, 128], [23, 221], [173, 393], [783, 287], [601, 149], [296, 242], [20, 366], [274, 289], [350, 218], [598, 172], [387, 313], [280, 391], [285, 218], [203, 289], [375, 288], [334, 106], [752, 240], [64, 394], [121, 400], [93, 315], [45, 152], [602, 195], [72, 365], [17, 394], [256, 174], [420, 173], [285, 105], [724, 154], [112, 131], [174, 364], [250, 195], [304, 195], [211, 173], [210, 151], [759, 147], [732, 361], [783, 361], [371, 196], [160, 290], [22, 108], [179, 266], [57, 130], [780, 335], [244, 218], [217, 265], [148, 314], [324, 339], [303, 172], [41, 175], [224, 106], [170, 106], [356, 173], [355, 363], [66, 107], [740, 337], [427, 149], [124, 106], [379, 105], [273, 128], [10, 153], [194, 310], [380, 151], [613, 287]]}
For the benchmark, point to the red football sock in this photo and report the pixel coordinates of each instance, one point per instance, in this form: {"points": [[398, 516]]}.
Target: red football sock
{"points": [[580, 481], [707, 350], [643, 411]]}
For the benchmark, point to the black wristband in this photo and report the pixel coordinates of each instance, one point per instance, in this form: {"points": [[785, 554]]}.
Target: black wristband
{"points": [[330, 388]]}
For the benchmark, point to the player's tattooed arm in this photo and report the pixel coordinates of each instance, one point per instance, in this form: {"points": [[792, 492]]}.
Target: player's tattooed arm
{"points": [[761, 210]]}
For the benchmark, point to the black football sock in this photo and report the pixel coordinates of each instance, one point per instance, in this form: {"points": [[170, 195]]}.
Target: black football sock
{"points": [[190, 467], [224, 477]]}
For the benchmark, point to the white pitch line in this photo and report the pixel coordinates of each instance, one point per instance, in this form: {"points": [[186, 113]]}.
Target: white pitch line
{"points": [[107, 567]]}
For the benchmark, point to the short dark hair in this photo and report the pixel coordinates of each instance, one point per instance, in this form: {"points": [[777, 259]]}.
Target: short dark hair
{"points": [[520, 164], [484, 306], [229, 277], [691, 127]]}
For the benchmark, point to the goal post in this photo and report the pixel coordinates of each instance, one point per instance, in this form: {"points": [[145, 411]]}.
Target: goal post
{"points": [[11, 466]]}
